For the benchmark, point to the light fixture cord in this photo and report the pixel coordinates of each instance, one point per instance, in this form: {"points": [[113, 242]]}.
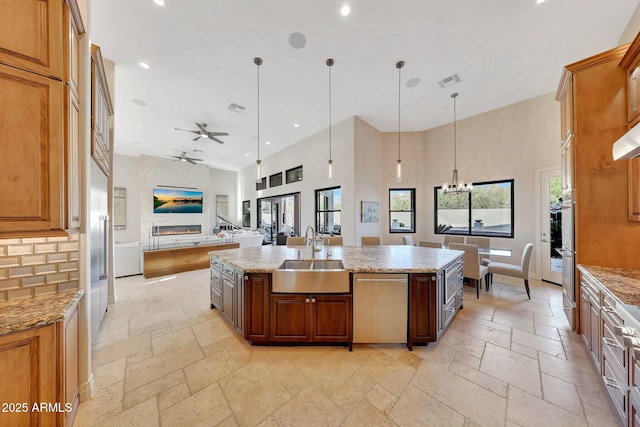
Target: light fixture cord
{"points": [[455, 138], [330, 64], [399, 79], [258, 65]]}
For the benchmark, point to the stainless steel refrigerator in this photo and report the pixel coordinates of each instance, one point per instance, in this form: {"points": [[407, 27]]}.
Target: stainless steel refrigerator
{"points": [[99, 232]]}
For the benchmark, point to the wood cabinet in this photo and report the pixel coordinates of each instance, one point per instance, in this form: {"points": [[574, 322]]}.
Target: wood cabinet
{"points": [[161, 262], [423, 309], [311, 318], [31, 152], [630, 63], [32, 35], [256, 324], [598, 88], [40, 366], [101, 112], [566, 109], [39, 154]]}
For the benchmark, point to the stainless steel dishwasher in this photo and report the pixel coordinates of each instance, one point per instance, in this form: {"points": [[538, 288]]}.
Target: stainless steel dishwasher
{"points": [[380, 308]]}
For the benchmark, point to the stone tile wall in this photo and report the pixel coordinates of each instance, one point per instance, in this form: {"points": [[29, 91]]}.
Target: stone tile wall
{"points": [[37, 265]]}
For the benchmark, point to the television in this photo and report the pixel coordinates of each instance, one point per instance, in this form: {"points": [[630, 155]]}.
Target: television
{"points": [[176, 201]]}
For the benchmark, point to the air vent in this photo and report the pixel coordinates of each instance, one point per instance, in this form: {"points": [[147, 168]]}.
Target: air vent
{"points": [[450, 81], [235, 108]]}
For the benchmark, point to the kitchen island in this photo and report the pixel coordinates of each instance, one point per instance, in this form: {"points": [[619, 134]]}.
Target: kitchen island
{"points": [[242, 288]]}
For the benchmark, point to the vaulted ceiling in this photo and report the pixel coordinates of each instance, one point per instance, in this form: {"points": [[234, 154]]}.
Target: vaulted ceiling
{"points": [[201, 59]]}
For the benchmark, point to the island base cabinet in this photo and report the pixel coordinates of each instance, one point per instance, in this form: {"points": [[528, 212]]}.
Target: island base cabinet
{"points": [[256, 315], [311, 318], [423, 308]]}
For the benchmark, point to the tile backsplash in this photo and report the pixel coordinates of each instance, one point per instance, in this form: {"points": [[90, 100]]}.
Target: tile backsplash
{"points": [[37, 265]]}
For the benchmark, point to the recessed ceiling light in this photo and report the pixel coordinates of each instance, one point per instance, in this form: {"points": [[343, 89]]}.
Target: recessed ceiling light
{"points": [[139, 102], [144, 65], [268, 142], [159, 2], [228, 164], [345, 10], [246, 154], [413, 82], [297, 40], [296, 125], [540, 1]]}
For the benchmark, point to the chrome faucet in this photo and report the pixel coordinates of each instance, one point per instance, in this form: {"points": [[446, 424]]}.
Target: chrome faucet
{"points": [[313, 241]]}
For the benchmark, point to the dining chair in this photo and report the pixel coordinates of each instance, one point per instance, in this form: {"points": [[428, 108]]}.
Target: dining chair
{"points": [[520, 271], [332, 241], [452, 239], [407, 240], [482, 243], [369, 240], [428, 244], [471, 267], [295, 241]]}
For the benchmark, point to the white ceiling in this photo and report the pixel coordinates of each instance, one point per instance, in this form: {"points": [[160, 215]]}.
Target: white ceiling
{"points": [[201, 57]]}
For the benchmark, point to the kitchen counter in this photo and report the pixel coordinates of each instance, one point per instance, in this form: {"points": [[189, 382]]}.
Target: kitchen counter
{"points": [[622, 283], [367, 259], [42, 310]]}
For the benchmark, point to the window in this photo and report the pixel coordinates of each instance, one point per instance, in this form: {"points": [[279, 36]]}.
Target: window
{"points": [[329, 210], [246, 213], [402, 210], [262, 184], [486, 211], [275, 179], [294, 175]]}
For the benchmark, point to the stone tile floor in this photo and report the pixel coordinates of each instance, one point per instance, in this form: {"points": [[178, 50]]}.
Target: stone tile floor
{"points": [[163, 358]]}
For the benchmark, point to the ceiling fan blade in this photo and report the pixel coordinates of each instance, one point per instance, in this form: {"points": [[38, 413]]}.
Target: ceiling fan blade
{"points": [[219, 141], [202, 126], [187, 130], [194, 159], [218, 133], [191, 161], [196, 138]]}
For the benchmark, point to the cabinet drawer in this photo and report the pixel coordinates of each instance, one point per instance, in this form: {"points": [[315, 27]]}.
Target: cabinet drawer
{"points": [[449, 311], [613, 344], [215, 298], [215, 284], [616, 387], [227, 270], [216, 264]]}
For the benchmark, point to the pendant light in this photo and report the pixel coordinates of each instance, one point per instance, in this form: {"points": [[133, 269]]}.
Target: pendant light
{"points": [[399, 66], [456, 186], [258, 62], [330, 64]]}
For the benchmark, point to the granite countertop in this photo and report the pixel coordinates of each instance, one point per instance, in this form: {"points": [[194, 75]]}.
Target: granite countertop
{"points": [[622, 283], [42, 310], [367, 259]]}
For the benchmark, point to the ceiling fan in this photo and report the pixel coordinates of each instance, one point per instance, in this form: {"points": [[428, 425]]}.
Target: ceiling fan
{"points": [[184, 158], [203, 133]]}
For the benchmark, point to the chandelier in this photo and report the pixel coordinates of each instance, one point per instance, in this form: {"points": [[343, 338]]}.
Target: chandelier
{"points": [[456, 187]]}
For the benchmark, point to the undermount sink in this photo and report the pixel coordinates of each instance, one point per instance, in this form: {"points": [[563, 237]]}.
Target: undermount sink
{"points": [[310, 276]]}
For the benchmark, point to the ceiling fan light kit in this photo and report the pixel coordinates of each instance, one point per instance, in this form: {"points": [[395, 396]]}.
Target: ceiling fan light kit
{"points": [[204, 133]]}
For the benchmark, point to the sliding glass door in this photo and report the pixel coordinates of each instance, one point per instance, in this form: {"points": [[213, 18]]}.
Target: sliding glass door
{"points": [[279, 215]]}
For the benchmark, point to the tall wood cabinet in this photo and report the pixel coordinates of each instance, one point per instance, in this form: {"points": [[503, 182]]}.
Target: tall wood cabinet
{"points": [[39, 130], [592, 121], [630, 63]]}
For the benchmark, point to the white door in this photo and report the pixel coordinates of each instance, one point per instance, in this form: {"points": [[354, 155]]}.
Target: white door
{"points": [[551, 226]]}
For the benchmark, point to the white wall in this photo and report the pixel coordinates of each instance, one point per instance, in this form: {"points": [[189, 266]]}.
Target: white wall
{"points": [[632, 28], [140, 175], [126, 174], [312, 153]]}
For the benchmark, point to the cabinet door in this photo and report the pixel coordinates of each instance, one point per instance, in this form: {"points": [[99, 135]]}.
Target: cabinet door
{"points": [[633, 83], [594, 340], [585, 317], [239, 301], [566, 111], [566, 164], [31, 152], [634, 410], [634, 189], [228, 286], [257, 288], [73, 163], [331, 316], [423, 306], [32, 34], [28, 361], [290, 318]]}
